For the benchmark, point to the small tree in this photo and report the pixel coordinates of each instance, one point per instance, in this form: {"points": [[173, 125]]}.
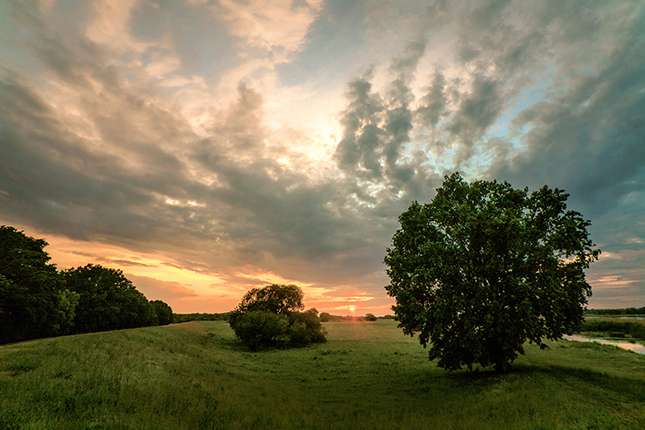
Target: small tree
{"points": [[485, 267], [370, 317], [270, 316]]}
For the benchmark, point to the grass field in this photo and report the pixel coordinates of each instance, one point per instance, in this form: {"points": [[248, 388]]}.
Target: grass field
{"points": [[368, 376]]}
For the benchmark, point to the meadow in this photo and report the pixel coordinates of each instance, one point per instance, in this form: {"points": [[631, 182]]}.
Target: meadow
{"points": [[368, 375]]}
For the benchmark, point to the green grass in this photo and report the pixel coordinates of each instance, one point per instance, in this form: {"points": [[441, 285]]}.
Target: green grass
{"points": [[368, 376]]}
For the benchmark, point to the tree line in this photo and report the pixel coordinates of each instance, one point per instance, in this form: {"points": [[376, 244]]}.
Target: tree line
{"points": [[37, 300], [327, 317], [621, 311], [201, 316]]}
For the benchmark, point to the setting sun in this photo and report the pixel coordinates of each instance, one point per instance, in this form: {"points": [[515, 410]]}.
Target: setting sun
{"points": [[352, 308]]}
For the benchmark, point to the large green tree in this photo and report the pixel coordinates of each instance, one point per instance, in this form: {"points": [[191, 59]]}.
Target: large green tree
{"points": [[108, 300], [484, 267], [33, 299]]}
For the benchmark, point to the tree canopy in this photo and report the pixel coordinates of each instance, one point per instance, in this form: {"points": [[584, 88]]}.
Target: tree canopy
{"points": [[107, 300], [33, 299], [484, 267], [277, 299]]}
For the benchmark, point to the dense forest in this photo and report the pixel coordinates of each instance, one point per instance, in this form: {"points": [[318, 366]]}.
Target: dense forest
{"points": [[37, 300]]}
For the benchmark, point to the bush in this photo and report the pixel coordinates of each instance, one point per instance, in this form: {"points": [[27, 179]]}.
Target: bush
{"points": [[305, 328], [258, 329]]}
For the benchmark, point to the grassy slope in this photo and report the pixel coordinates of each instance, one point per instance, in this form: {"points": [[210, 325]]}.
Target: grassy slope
{"points": [[368, 376]]}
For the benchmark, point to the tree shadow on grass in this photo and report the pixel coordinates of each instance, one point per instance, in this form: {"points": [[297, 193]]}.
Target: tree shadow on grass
{"points": [[633, 390]]}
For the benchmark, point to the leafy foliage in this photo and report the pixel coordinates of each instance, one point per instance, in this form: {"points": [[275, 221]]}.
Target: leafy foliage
{"points": [[485, 267], [108, 300], [163, 311], [33, 299], [259, 329], [270, 316], [277, 299], [305, 328]]}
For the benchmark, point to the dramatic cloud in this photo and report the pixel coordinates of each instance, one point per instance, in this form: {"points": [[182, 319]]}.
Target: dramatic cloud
{"points": [[209, 147]]}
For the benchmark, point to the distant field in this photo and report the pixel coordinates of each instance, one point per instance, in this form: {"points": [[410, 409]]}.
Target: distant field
{"points": [[368, 376], [614, 327]]}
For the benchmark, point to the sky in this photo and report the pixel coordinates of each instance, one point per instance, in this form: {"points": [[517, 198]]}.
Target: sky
{"points": [[206, 147]]}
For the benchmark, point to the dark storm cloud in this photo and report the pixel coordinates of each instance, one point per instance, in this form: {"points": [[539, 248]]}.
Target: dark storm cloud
{"points": [[432, 106], [406, 63], [377, 127], [477, 110], [56, 179], [586, 133], [589, 138], [361, 132]]}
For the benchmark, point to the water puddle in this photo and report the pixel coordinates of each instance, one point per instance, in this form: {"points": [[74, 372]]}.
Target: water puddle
{"points": [[636, 347]]}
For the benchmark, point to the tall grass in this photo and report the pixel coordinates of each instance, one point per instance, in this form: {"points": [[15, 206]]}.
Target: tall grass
{"points": [[368, 376]]}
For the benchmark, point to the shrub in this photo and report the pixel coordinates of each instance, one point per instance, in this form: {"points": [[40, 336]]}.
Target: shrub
{"points": [[305, 328], [259, 329]]}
